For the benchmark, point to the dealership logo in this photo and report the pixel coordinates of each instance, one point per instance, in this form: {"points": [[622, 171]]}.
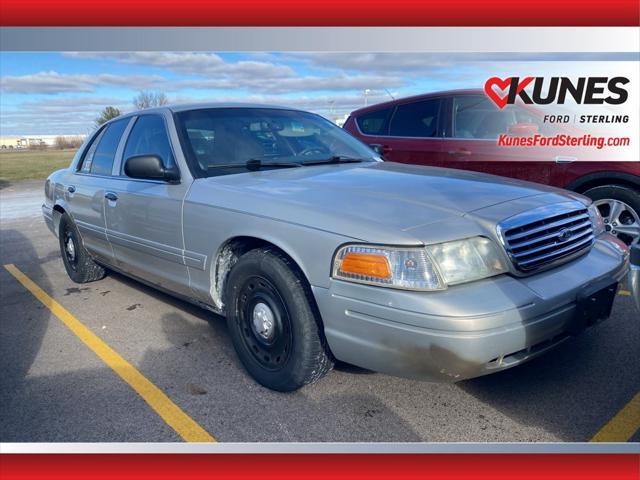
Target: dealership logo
{"points": [[545, 91]]}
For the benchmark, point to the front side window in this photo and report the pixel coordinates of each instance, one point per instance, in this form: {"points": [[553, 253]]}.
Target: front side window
{"points": [[416, 119], [477, 117], [375, 123], [149, 137], [219, 141], [99, 159]]}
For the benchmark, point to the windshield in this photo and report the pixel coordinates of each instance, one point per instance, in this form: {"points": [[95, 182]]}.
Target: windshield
{"points": [[220, 141]]}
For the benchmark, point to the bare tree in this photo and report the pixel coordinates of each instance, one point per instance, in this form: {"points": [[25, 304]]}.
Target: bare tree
{"points": [[64, 142], [147, 99], [107, 114]]}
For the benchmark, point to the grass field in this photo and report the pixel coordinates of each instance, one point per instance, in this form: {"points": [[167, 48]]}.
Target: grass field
{"points": [[32, 164]]}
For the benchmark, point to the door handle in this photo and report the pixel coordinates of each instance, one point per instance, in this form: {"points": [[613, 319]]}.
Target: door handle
{"points": [[111, 196], [461, 152], [71, 189], [562, 159]]}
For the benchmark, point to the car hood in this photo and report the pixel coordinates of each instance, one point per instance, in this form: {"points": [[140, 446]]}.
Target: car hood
{"points": [[362, 200]]}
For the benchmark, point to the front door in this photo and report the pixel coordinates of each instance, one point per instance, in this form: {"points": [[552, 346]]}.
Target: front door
{"points": [[477, 123], [144, 217]]}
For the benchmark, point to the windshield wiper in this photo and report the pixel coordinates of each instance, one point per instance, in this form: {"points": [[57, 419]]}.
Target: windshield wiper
{"points": [[257, 164], [333, 160]]}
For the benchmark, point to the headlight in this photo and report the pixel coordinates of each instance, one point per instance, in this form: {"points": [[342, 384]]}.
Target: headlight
{"points": [[467, 260], [596, 220], [419, 268]]}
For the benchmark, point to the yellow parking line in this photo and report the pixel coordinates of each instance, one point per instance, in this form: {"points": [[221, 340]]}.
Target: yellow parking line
{"points": [[623, 426], [173, 415], [626, 293]]}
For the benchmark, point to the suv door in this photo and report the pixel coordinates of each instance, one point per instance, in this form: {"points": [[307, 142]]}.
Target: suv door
{"points": [[144, 217], [84, 192], [475, 124], [415, 133]]}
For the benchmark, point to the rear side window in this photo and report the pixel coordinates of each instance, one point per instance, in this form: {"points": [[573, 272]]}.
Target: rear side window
{"points": [[417, 119], [149, 137], [375, 123], [99, 158]]}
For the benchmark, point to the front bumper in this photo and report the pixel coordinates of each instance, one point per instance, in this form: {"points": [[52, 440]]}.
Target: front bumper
{"points": [[467, 330], [634, 274]]}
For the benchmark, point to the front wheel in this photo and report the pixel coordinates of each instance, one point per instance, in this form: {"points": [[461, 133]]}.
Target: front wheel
{"points": [[620, 209], [273, 323], [77, 262]]}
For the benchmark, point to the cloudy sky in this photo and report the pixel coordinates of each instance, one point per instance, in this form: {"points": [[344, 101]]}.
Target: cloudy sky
{"points": [[62, 93]]}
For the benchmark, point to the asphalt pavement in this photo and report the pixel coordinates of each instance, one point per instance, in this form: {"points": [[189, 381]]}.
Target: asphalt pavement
{"points": [[53, 388]]}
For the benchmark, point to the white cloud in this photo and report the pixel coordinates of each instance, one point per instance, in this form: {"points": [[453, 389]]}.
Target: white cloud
{"points": [[52, 82], [194, 63]]}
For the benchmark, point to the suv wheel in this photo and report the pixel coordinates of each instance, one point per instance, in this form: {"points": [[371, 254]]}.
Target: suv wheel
{"points": [[272, 321], [620, 209], [79, 265]]}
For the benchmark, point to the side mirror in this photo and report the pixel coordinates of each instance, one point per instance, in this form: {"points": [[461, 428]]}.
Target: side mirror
{"points": [[150, 167], [523, 129]]}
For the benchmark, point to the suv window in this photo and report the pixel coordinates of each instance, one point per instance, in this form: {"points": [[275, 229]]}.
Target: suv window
{"points": [[375, 123], [99, 157], [149, 137], [475, 116], [416, 119]]}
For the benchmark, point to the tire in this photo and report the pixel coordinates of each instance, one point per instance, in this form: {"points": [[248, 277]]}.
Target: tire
{"points": [[273, 322], [626, 224], [79, 265]]}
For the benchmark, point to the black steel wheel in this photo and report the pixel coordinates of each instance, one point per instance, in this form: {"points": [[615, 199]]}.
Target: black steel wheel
{"points": [[77, 262], [273, 322], [265, 323]]}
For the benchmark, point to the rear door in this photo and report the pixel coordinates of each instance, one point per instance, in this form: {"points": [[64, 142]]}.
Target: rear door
{"points": [[144, 217], [84, 194], [475, 123], [415, 133]]}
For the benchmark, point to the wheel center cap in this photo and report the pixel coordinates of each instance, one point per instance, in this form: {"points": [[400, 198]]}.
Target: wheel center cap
{"points": [[263, 320], [71, 249]]}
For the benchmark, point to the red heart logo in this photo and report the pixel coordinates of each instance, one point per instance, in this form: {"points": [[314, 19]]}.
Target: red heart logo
{"points": [[501, 101]]}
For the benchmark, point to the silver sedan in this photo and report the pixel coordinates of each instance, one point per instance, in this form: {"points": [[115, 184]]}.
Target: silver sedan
{"points": [[315, 249]]}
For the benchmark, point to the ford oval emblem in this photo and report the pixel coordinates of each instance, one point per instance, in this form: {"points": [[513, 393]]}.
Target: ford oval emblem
{"points": [[564, 235]]}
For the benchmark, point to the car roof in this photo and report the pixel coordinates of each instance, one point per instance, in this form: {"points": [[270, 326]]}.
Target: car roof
{"points": [[204, 105], [413, 98]]}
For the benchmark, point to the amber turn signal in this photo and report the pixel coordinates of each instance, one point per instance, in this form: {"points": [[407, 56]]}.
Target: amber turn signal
{"points": [[367, 264]]}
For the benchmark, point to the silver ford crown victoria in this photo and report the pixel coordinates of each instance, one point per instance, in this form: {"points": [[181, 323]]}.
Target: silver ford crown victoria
{"points": [[315, 250]]}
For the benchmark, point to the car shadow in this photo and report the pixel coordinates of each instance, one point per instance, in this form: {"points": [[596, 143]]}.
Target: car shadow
{"points": [[23, 320], [560, 392], [214, 381], [575, 388]]}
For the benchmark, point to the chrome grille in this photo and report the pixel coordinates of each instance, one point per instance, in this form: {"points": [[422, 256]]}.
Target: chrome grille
{"points": [[547, 235]]}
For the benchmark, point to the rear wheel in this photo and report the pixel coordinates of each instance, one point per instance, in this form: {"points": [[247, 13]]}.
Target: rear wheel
{"points": [[79, 265], [620, 209], [273, 323]]}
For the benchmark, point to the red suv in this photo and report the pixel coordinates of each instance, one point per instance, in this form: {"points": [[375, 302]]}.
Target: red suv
{"points": [[459, 129]]}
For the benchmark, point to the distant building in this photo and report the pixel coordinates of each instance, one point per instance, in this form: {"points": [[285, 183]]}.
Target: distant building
{"points": [[32, 141]]}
